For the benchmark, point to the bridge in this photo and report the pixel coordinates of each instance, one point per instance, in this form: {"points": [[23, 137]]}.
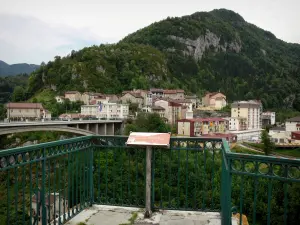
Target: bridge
{"points": [[82, 127]]}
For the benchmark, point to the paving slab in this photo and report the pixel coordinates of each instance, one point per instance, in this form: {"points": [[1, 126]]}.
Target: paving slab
{"points": [[112, 215]]}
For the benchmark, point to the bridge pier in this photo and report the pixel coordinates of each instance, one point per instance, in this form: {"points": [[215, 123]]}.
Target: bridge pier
{"points": [[110, 129], [102, 129], [94, 128]]}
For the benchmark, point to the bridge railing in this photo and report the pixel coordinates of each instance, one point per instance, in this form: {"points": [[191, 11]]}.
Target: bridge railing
{"points": [[51, 183]]}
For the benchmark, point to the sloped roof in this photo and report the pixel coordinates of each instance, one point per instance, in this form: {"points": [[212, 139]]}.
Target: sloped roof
{"points": [[156, 107], [24, 105], [294, 119], [72, 92]]}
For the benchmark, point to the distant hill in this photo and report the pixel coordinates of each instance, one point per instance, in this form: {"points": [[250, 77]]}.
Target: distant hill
{"points": [[14, 69], [205, 51]]}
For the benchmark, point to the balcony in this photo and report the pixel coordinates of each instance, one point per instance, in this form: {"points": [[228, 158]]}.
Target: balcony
{"points": [[59, 182]]}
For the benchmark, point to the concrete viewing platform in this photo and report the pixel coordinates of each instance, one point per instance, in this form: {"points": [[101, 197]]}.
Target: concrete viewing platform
{"points": [[114, 215]]}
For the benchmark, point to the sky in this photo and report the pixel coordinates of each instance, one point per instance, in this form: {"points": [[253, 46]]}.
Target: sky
{"points": [[33, 31]]}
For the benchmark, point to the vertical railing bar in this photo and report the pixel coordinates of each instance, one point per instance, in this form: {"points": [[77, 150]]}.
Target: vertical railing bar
{"points": [[212, 179], [8, 203], [153, 175], [129, 177], [49, 187], [121, 176], [136, 179], [23, 194], [64, 186], [269, 201], [285, 195], [54, 189], [114, 176], [204, 178], [169, 176], [76, 183], [241, 199], [99, 178], [161, 179], [69, 194], [16, 192], [186, 179], [91, 164], [59, 183], [80, 180], [178, 180], [106, 175], [30, 190], [255, 193], [196, 179], [73, 181]]}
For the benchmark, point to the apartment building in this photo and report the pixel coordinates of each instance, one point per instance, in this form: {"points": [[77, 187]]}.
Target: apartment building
{"points": [[172, 110], [201, 126], [268, 118], [106, 110], [251, 110], [236, 123]]}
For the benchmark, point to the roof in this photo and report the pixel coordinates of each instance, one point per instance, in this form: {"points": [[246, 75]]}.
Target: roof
{"points": [[156, 90], [219, 135], [210, 119], [174, 104], [294, 119], [191, 97], [251, 103], [24, 105], [157, 107], [295, 132], [72, 92], [173, 91], [278, 128], [181, 100]]}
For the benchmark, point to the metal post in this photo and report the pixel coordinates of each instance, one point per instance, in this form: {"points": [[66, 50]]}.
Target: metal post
{"points": [[148, 182]]}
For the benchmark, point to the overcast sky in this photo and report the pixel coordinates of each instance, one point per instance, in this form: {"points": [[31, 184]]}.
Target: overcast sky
{"points": [[33, 31]]}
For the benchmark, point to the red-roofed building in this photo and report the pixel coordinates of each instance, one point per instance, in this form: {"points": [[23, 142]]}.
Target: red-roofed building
{"points": [[201, 126], [26, 110]]}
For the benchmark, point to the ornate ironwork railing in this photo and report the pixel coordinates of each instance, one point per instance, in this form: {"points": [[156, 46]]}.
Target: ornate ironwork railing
{"points": [[52, 182]]}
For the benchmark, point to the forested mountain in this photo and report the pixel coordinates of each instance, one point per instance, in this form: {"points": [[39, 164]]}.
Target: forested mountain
{"points": [[206, 51], [14, 69]]}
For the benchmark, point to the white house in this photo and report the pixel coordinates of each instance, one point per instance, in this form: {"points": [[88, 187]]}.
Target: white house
{"points": [[106, 110]]}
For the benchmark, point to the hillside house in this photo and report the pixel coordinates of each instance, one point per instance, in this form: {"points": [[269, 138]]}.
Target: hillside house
{"points": [[173, 94], [215, 100], [73, 96], [131, 97]]}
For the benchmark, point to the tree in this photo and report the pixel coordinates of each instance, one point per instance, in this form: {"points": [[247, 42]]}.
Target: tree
{"points": [[268, 144], [148, 122], [18, 94]]}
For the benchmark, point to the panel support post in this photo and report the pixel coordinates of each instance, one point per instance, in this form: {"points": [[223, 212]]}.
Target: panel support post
{"points": [[148, 182]]}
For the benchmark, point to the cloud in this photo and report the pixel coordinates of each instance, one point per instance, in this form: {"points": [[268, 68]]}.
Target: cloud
{"points": [[27, 39]]}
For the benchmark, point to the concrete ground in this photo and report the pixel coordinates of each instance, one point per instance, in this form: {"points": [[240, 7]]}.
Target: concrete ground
{"points": [[112, 215]]}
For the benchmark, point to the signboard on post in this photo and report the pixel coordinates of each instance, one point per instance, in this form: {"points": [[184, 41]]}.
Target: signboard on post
{"points": [[149, 140]]}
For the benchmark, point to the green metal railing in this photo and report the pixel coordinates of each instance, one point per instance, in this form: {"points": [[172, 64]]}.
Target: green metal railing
{"points": [[51, 183]]}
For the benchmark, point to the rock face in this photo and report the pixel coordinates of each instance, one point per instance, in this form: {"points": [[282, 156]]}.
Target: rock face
{"points": [[196, 48]]}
